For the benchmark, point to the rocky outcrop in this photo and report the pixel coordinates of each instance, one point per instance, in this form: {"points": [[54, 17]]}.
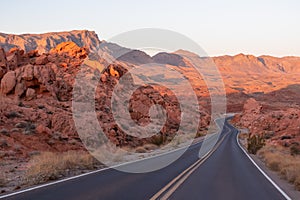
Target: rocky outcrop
{"points": [[279, 127], [31, 74], [71, 49], [45, 42], [37, 94]]}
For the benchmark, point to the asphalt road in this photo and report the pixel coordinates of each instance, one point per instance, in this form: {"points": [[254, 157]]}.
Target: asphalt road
{"points": [[226, 173]]}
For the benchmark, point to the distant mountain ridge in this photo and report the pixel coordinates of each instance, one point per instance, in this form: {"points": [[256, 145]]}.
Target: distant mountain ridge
{"points": [[243, 64]]}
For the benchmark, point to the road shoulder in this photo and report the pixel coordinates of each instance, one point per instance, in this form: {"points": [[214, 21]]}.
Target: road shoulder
{"points": [[283, 184]]}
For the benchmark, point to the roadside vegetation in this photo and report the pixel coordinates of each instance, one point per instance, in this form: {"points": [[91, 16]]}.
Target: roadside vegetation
{"points": [[2, 179], [279, 159], [255, 143], [51, 166], [284, 161]]}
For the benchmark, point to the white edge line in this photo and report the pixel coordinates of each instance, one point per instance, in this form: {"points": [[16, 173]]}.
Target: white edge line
{"points": [[263, 173], [93, 172], [99, 170], [103, 169]]}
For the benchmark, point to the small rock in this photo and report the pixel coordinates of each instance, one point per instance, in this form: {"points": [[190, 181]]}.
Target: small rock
{"points": [[33, 53], [30, 94], [285, 137], [103, 78], [21, 125], [21, 104], [20, 89], [33, 153], [40, 129], [14, 130]]}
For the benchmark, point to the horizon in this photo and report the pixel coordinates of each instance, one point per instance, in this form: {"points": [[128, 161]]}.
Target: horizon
{"points": [[220, 28]]}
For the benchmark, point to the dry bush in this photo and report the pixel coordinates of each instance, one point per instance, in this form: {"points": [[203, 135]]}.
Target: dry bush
{"points": [[279, 159], [140, 150], [255, 143], [50, 166], [200, 134], [295, 149], [158, 139], [2, 179], [243, 136], [145, 148], [150, 147]]}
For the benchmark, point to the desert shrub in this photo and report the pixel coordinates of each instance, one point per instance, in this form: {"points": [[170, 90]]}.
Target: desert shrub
{"points": [[254, 143], [50, 166], [297, 183], [158, 139], [2, 179], [140, 150], [199, 134], [4, 131], [12, 114], [29, 128], [295, 149], [150, 147], [278, 159]]}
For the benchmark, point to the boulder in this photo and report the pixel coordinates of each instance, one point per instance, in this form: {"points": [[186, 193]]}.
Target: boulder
{"points": [[14, 58], [28, 72], [3, 63], [41, 60], [2, 58], [113, 72], [20, 89], [103, 78], [8, 82]]}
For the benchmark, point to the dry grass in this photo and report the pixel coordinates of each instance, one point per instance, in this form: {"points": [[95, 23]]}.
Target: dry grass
{"points": [[145, 148], [243, 136], [279, 159], [50, 166]]}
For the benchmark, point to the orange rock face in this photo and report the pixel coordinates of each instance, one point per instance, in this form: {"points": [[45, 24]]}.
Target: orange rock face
{"points": [[37, 84], [36, 99], [280, 127], [35, 102]]}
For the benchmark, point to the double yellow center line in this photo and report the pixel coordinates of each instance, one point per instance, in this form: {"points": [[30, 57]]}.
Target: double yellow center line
{"points": [[171, 187]]}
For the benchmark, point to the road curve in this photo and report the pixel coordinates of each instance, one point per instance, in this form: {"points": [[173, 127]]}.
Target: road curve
{"points": [[226, 173]]}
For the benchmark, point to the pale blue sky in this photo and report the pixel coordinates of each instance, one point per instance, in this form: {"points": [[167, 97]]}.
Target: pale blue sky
{"points": [[220, 27]]}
